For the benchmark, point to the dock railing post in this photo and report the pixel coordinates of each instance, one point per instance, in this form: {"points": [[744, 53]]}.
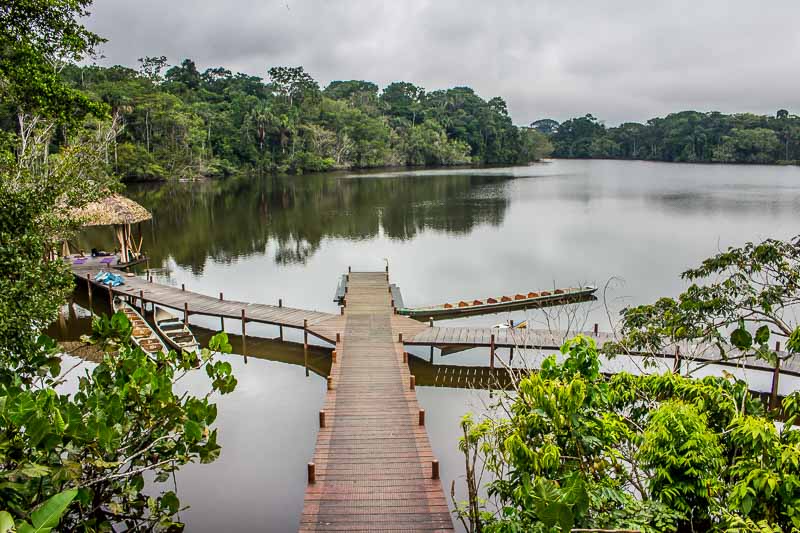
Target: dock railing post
{"points": [[312, 473], [776, 374], [244, 335], [491, 351]]}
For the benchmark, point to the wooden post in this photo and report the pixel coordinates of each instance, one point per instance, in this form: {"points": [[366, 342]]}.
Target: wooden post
{"points": [[305, 344], [220, 297], [412, 382], [141, 301], [280, 302], [185, 313], [491, 351], [312, 473], [280, 332], [511, 354], [596, 329], [430, 321], [110, 297], [322, 419], [400, 337], [338, 337], [422, 417], [676, 365], [349, 269], [405, 357], [776, 375], [333, 356], [89, 289], [244, 335], [221, 318], [341, 310], [434, 469], [183, 286], [330, 383]]}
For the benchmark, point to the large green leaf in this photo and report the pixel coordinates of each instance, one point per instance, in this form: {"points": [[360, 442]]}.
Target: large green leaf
{"points": [[6, 522], [47, 515], [742, 339]]}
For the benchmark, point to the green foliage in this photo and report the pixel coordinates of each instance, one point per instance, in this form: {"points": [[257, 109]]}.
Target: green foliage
{"points": [[653, 453], [190, 123], [686, 136], [125, 419], [739, 301]]}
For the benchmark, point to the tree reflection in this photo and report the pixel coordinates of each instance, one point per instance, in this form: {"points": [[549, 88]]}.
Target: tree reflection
{"points": [[224, 220]]}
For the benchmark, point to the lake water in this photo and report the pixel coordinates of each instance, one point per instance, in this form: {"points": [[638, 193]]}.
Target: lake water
{"points": [[447, 235]]}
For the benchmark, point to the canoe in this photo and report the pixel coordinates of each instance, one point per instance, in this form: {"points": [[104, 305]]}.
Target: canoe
{"points": [[143, 335], [502, 303], [174, 331]]}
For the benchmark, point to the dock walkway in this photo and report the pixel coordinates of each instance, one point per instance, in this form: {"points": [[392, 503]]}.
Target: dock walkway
{"points": [[373, 464]]}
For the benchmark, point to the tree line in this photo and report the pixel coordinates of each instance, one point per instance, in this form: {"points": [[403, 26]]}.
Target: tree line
{"points": [[180, 122], [688, 136]]}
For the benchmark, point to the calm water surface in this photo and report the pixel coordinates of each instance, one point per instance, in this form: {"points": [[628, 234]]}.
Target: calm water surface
{"points": [[446, 235]]}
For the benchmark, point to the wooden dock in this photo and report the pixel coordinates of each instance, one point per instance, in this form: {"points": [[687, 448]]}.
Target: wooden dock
{"points": [[373, 468]]}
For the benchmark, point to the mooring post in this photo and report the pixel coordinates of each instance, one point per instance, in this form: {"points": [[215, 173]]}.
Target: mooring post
{"points": [[333, 357], [89, 289], [676, 365], [776, 374], [185, 313], [491, 351], [434, 469], [244, 335], [412, 382], [405, 357], [220, 297], [596, 329], [430, 321], [422, 417], [280, 302], [183, 286], [312, 473], [338, 337], [349, 269], [322, 419], [400, 337], [330, 383]]}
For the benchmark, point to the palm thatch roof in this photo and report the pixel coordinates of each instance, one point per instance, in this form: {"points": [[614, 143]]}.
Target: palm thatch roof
{"points": [[114, 209]]}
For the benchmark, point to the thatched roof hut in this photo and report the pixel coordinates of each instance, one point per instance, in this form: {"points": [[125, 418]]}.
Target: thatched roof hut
{"points": [[113, 210], [122, 213]]}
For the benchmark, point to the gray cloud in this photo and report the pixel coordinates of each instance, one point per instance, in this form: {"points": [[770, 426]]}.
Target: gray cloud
{"points": [[619, 60]]}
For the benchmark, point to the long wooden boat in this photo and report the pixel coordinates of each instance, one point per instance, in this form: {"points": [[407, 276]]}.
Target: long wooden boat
{"points": [[174, 331], [503, 303], [143, 335]]}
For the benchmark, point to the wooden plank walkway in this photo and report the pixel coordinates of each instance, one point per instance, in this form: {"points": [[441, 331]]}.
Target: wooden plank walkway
{"points": [[200, 304], [373, 461], [552, 340]]}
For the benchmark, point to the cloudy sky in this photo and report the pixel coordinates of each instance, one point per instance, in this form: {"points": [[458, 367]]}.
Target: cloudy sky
{"points": [[619, 60]]}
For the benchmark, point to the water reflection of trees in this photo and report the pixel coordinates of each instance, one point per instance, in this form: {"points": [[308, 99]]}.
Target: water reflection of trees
{"points": [[240, 216]]}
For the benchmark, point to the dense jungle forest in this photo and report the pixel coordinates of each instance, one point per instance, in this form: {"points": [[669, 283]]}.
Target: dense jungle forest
{"points": [[688, 136], [178, 122]]}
